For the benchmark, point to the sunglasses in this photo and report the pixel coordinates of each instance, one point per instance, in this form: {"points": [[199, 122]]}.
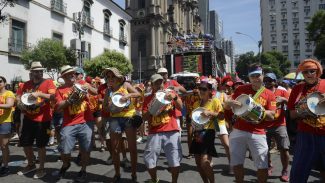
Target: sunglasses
{"points": [[1, 81], [309, 72], [203, 89]]}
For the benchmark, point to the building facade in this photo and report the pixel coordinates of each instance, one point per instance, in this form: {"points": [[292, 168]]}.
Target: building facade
{"points": [[204, 15], [105, 26], [154, 23], [228, 47], [284, 25], [216, 28]]}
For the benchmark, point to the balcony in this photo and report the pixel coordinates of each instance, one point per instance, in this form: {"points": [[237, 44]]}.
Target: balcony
{"points": [[88, 21], [108, 31], [123, 39], [273, 42], [59, 6], [308, 50], [16, 46], [284, 41], [296, 52]]}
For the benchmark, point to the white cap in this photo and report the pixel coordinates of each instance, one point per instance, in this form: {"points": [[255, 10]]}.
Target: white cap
{"points": [[162, 70]]}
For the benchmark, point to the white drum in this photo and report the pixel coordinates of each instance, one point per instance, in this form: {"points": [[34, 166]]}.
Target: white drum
{"points": [[116, 104], [28, 102], [313, 106], [158, 104], [250, 110], [198, 120]]}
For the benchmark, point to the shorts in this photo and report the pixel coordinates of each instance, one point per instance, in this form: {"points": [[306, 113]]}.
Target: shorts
{"points": [[69, 134], [239, 141], [169, 142], [57, 121], [309, 151], [119, 124], [33, 130], [281, 137], [97, 114], [91, 125], [222, 130], [203, 143], [5, 128], [16, 116]]}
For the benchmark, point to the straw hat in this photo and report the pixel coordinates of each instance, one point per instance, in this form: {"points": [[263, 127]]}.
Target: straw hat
{"points": [[36, 66], [114, 71], [66, 69]]}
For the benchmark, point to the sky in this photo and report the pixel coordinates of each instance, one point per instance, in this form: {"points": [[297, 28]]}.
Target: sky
{"points": [[237, 16]]}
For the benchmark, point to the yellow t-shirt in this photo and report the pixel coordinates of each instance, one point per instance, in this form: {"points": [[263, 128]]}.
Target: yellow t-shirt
{"points": [[6, 114], [212, 105], [128, 111]]}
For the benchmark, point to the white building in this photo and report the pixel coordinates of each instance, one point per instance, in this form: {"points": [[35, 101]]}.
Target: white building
{"points": [[106, 26], [228, 48], [283, 27]]}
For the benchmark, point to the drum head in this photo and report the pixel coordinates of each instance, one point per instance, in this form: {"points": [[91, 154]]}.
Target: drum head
{"points": [[26, 101], [161, 97], [312, 103], [79, 87], [245, 101], [198, 118], [116, 100]]}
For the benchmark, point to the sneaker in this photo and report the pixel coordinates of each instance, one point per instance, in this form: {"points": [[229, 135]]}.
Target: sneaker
{"points": [[15, 137], [284, 177], [117, 179], [61, 173], [139, 140], [102, 148], [51, 141], [109, 160], [4, 171], [27, 169], [126, 163], [270, 170], [82, 175], [40, 173]]}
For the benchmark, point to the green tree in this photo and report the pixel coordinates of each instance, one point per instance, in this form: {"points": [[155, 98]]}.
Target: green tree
{"points": [[272, 61], [95, 66], [316, 33], [3, 4], [51, 53]]}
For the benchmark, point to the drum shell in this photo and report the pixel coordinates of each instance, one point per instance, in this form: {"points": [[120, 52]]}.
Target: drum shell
{"points": [[198, 122], [116, 108], [156, 106], [254, 112]]}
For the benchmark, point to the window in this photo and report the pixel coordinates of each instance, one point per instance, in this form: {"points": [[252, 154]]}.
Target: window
{"points": [[307, 10], [284, 36], [18, 40], [107, 28], [321, 6], [57, 36], [142, 45], [88, 20], [122, 33], [285, 48], [86, 8], [295, 14], [141, 4]]}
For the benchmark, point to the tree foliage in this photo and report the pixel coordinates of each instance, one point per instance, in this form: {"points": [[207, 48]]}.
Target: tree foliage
{"points": [[95, 66], [272, 61], [316, 33], [51, 53]]}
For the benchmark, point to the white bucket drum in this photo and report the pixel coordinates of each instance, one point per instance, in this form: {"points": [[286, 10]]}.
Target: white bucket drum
{"points": [[198, 120], [116, 104], [313, 106], [249, 110], [28, 101], [158, 104]]}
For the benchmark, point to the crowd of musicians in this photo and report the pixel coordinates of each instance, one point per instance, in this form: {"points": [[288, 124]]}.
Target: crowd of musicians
{"points": [[70, 111]]}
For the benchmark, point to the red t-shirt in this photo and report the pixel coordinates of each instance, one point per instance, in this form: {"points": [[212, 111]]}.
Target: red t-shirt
{"points": [[162, 123], [101, 95], [280, 113], [175, 84], [73, 114], [266, 99], [43, 113], [307, 124]]}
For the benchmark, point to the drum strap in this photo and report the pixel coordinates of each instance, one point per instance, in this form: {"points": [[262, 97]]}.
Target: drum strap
{"points": [[258, 93]]}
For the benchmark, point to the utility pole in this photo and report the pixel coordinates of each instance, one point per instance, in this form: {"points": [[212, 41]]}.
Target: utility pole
{"points": [[79, 27]]}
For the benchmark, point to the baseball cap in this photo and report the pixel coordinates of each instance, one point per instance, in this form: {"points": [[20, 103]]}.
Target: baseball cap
{"points": [[255, 70], [155, 78], [79, 70], [162, 70], [270, 75]]}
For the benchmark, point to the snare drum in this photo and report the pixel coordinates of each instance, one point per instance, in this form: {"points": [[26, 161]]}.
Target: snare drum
{"points": [[116, 104], [28, 102], [198, 120], [249, 110], [158, 104]]}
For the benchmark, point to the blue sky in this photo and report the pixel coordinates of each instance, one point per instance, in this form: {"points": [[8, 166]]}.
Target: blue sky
{"points": [[238, 16]]}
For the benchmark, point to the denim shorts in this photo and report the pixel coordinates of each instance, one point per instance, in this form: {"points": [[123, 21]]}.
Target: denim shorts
{"points": [[119, 124], [5, 128], [69, 134]]}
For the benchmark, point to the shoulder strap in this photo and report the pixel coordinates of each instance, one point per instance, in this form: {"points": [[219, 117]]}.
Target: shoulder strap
{"points": [[258, 93]]}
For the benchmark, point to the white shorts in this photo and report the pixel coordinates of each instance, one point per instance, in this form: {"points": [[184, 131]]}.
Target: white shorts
{"points": [[222, 130], [239, 141]]}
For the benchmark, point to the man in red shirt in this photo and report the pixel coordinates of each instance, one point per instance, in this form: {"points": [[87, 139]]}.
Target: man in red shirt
{"points": [[163, 132], [251, 134], [74, 124], [310, 139], [278, 129], [37, 118]]}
